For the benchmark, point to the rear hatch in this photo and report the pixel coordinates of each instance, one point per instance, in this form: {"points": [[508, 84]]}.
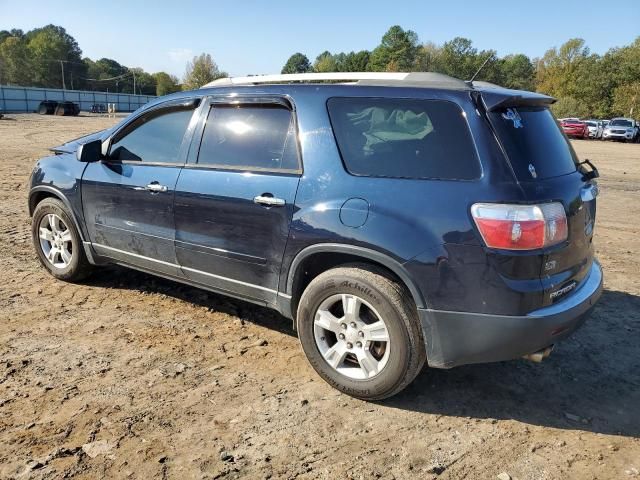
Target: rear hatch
{"points": [[547, 169]]}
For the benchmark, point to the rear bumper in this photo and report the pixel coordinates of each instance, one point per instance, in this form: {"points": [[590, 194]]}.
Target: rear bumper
{"points": [[459, 338]]}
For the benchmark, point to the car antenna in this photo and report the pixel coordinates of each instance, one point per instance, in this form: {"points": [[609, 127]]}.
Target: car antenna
{"points": [[470, 82]]}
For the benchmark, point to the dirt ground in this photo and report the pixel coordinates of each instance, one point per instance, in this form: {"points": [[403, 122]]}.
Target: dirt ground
{"points": [[130, 376]]}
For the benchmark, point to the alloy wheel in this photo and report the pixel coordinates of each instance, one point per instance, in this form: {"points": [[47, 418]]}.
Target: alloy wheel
{"points": [[351, 336], [56, 240]]}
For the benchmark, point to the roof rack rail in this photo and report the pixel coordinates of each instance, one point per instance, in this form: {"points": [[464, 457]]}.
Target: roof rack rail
{"points": [[307, 77]]}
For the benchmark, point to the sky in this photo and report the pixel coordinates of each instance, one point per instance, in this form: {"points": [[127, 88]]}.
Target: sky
{"points": [[252, 37]]}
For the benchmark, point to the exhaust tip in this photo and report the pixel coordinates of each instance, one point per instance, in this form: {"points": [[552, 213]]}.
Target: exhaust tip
{"points": [[540, 355]]}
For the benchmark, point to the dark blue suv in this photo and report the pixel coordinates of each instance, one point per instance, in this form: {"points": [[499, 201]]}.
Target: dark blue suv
{"points": [[396, 218]]}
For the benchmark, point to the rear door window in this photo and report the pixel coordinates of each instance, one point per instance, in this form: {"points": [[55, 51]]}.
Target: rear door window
{"points": [[404, 138], [534, 142]]}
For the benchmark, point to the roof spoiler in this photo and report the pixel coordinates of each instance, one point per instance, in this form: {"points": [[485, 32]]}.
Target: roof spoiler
{"points": [[499, 98]]}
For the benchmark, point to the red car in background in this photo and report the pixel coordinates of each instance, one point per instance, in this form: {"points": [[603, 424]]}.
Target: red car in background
{"points": [[574, 128]]}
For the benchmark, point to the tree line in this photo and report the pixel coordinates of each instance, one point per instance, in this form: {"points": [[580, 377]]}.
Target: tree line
{"points": [[49, 57], [586, 84]]}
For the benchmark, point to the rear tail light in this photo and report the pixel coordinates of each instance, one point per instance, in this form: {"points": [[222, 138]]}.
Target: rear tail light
{"points": [[520, 227]]}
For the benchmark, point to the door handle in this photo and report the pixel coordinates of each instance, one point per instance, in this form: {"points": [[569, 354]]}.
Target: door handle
{"points": [[156, 188], [269, 201]]}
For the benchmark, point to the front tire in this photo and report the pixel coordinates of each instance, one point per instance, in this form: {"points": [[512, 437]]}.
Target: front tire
{"points": [[57, 241], [360, 331]]}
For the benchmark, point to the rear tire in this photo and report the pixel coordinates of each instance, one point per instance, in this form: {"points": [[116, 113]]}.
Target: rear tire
{"points": [[382, 348], [57, 241]]}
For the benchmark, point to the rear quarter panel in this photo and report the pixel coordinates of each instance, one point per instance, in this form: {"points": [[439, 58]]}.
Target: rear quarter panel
{"points": [[423, 224]]}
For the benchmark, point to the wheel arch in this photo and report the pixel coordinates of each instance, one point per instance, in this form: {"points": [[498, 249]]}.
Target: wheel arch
{"points": [[39, 193], [315, 259]]}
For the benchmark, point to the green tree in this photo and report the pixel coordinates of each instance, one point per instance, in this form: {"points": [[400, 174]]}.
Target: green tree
{"points": [[325, 62], [397, 51], [572, 71], [107, 74], [15, 66], [52, 50], [460, 59], [569, 107], [558, 70], [626, 100], [297, 63], [107, 68], [619, 70], [428, 58], [14, 32], [356, 61], [166, 84], [145, 83], [518, 72], [200, 71]]}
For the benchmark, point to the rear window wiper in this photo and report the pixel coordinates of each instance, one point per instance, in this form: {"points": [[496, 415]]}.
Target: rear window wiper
{"points": [[588, 174]]}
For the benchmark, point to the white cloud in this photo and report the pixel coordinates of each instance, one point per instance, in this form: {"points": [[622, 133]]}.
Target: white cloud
{"points": [[180, 55]]}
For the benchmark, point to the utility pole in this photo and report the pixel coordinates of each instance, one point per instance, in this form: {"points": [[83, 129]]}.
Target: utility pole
{"points": [[62, 68], [134, 81]]}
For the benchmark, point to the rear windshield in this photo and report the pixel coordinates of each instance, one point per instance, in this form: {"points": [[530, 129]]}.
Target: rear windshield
{"points": [[404, 138], [620, 123], [534, 142]]}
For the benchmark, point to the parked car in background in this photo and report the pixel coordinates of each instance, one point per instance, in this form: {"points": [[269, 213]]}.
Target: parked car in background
{"points": [[403, 219], [574, 128], [623, 129], [596, 128]]}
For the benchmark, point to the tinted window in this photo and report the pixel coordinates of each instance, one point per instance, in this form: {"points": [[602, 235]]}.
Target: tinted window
{"points": [[155, 137], [249, 137], [403, 138], [531, 136]]}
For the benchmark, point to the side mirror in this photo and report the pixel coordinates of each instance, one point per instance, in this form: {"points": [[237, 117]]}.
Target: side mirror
{"points": [[90, 151]]}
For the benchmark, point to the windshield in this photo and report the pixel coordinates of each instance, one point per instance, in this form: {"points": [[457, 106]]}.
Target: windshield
{"points": [[620, 123], [592, 124], [534, 143]]}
